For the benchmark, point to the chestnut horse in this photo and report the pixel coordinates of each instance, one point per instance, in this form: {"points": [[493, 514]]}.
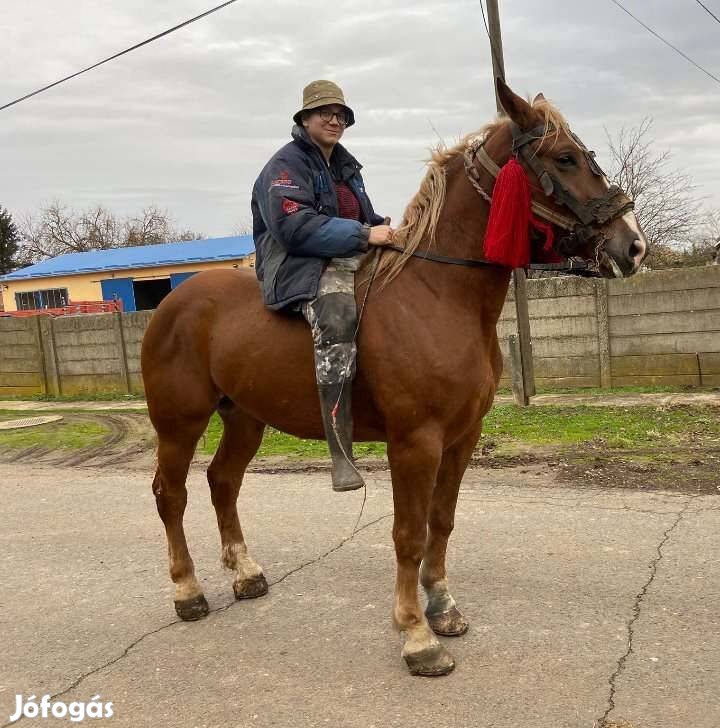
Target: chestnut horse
{"points": [[429, 362]]}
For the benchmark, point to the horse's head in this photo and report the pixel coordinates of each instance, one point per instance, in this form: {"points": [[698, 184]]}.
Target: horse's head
{"points": [[596, 218]]}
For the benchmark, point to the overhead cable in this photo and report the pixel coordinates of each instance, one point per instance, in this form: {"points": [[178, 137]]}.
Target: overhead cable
{"points": [[117, 55], [667, 43], [707, 10]]}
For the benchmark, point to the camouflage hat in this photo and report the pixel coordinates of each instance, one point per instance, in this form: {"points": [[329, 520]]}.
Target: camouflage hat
{"points": [[322, 93]]}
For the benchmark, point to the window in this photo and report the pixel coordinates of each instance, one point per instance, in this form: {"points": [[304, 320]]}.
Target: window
{"points": [[48, 298]]}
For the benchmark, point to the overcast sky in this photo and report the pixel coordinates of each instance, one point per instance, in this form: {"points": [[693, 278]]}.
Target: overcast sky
{"points": [[187, 122]]}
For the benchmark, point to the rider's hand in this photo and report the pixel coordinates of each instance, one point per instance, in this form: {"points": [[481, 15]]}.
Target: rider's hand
{"points": [[380, 235]]}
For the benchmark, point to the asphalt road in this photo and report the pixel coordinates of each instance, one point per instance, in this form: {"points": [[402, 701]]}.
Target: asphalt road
{"points": [[582, 602]]}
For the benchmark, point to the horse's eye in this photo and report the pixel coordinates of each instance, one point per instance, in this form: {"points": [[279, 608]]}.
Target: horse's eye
{"points": [[566, 160]]}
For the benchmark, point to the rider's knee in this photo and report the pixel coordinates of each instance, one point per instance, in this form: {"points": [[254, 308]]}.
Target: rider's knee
{"points": [[337, 317]]}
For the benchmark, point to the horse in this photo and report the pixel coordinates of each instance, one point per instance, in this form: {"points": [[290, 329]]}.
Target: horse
{"points": [[429, 361]]}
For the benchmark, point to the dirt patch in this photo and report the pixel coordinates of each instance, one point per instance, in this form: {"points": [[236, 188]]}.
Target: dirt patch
{"points": [[692, 471], [131, 442]]}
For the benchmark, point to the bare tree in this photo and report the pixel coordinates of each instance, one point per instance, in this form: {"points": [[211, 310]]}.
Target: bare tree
{"points": [[709, 231], [666, 203], [702, 248], [58, 229]]}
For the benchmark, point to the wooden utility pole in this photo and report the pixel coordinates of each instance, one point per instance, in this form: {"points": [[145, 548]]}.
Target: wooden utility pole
{"points": [[520, 346]]}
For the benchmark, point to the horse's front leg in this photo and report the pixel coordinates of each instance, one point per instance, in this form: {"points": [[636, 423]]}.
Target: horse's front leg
{"points": [[442, 613], [414, 462]]}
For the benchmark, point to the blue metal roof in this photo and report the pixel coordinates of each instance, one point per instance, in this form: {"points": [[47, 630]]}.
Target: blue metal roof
{"points": [[141, 256]]}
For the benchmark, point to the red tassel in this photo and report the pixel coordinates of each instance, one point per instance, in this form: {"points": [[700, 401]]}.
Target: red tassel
{"points": [[507, 238]]}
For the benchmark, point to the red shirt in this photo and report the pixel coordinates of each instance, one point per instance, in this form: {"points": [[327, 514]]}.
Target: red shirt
{"points": [[348, 205]]}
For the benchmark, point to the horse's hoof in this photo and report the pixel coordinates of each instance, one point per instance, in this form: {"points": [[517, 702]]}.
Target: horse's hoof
{"points": [[448, 624], [190, 610], [251, 588], [432, 661]]}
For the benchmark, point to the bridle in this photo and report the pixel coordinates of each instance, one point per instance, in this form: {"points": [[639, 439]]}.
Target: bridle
{"points": [[579, 230]]}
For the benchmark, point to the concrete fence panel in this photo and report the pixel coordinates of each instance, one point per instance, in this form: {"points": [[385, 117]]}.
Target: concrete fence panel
{"points": [[89, 354], [665, 328], [21, 365], [133, 329]]}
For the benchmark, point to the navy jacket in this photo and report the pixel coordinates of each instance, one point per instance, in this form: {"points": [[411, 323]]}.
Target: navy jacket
{"points": [[296, 227]]}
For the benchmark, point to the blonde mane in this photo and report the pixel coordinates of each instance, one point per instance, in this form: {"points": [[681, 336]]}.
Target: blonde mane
{"points": [[421, 216]]}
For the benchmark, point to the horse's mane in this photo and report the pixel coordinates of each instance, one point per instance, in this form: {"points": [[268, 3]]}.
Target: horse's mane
{"points": [[421, 216]]}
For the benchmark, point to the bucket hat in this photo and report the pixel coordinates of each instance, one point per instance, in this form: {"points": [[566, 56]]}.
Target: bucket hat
{"points": [[322, 93]]}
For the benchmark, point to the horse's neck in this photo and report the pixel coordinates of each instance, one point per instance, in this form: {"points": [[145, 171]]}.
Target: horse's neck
{"points": [[459, 234]]}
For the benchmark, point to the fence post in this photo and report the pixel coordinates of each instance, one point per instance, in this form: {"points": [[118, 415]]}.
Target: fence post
{"points": [[120, 340], [525, 362], [42, 367], [49, 355], [603, 327], [522, 398]]}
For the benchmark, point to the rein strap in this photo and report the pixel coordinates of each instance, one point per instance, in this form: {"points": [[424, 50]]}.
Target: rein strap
{"points": [[468, 262]]}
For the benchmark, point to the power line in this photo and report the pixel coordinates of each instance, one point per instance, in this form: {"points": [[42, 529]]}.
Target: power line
{"points": [[482, 10], [707, 9], [667, 43], [121, 53]]}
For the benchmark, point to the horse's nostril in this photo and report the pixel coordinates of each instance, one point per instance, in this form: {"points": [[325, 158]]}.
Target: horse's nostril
{"points": [[637, 249]]}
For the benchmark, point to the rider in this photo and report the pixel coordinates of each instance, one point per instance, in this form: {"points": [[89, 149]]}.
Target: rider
{"points": [[312, 222]]}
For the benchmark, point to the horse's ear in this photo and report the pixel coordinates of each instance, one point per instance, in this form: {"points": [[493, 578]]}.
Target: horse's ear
{"points": [[515, 106], [539, 97]]}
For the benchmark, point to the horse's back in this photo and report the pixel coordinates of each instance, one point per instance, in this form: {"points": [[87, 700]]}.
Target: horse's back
{"points": [[213, 336]]}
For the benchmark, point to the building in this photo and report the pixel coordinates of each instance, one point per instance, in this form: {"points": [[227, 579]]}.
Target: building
{"points": [[140, 276]]}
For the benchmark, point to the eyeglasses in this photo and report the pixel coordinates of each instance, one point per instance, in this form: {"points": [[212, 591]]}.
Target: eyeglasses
{"points": [[327, 115]]}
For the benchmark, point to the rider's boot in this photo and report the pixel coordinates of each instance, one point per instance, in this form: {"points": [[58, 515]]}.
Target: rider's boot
{"points": [[339, 438]]}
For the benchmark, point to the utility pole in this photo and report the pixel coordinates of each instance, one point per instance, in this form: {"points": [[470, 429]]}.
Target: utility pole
{"points": [[521, 359]]}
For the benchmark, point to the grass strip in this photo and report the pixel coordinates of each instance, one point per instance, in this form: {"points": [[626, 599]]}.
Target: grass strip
{"points": [[618, 428]]}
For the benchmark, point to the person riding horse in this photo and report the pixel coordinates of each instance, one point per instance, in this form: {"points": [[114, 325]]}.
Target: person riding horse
{"points": [[312, 223]]}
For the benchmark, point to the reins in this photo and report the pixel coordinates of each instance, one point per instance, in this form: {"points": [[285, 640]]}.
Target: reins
{"points": [[468, 262]]}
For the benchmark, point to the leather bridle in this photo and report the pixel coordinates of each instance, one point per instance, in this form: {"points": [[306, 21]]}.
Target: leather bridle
{"points": [[580, 229], [596, 212]]}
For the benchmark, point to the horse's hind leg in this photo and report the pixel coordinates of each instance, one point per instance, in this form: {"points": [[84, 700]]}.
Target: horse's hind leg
{"points": [[241, 439], [176, 445], [442, 614]]}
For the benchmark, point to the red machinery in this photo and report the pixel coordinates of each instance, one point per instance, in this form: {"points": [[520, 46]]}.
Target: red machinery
{"points": [[73, 308]]}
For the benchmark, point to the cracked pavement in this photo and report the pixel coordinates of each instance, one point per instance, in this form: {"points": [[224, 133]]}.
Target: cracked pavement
{"points": [[584, 604]]}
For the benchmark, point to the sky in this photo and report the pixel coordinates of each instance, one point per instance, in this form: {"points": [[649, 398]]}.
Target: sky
{"points": [[187, 122]]}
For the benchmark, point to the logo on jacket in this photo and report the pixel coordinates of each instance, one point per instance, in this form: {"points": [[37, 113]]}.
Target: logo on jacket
{"points": [[289, 206], [284, 181]]}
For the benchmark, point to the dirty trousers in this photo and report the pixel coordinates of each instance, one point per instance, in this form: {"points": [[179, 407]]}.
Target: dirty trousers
{"points": [[332, 316]]}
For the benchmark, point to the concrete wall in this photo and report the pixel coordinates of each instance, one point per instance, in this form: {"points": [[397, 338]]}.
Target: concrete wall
{"points": [[72, 354], [21, 364], [665, 328], [661, 327], [564, 329], [656, 328]]}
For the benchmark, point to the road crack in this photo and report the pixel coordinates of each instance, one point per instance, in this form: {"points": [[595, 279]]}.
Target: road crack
{"points": [[602, 722], [81, 678]]}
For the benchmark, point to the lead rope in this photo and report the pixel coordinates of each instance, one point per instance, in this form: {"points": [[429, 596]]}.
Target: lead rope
{"points": [[346, 375]]}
